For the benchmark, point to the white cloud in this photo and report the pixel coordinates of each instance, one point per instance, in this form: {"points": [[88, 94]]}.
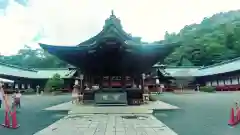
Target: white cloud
{"points": [[69, 22]]}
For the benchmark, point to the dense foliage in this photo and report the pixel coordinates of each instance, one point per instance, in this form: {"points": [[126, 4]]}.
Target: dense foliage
{"points": [[54, 83], [207, 89], [215, 39]]}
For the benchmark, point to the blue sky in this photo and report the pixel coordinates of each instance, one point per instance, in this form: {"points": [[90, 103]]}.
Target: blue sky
{"points": [[69, 22]]}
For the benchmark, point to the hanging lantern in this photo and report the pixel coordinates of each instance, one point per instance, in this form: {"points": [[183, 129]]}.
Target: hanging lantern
{"points": [[143, 76], [157, 81]]}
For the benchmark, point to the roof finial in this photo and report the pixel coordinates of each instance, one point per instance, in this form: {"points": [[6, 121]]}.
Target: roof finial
{"points": [[112, 12]]}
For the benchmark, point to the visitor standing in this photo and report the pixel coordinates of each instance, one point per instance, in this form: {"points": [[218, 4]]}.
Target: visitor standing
{"points": [[162, 87], [18, 99], [75, 94], [37, 89], [1, 95]]}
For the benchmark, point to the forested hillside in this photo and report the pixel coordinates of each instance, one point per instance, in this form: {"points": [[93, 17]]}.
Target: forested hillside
{"points": [[214, 40], [33, 58]]}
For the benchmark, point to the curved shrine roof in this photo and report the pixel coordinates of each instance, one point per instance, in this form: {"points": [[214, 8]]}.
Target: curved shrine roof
{"points": [[91, 54]]}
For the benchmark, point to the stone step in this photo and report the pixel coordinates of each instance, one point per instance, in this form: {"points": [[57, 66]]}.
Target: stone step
{"points": [[111, 104], [110, 110]]}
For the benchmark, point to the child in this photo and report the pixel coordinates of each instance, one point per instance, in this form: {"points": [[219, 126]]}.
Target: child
{"points": [[16, 99]]}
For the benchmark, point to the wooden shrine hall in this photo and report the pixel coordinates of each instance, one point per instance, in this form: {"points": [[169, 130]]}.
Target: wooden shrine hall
{"points": [[112, 53]]}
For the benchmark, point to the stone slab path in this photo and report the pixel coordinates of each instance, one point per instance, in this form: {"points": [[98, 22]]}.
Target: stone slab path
{"points": [[111, 124], [109, 120]]}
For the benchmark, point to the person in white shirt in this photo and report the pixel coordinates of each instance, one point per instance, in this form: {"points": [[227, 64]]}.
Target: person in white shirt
{"points": [[161, 87], [75, 94], [1, 96]]}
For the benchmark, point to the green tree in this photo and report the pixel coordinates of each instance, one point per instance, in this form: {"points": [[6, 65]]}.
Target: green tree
{"points": [[54, 83]]}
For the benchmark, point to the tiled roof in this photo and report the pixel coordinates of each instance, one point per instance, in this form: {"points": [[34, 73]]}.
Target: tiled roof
{"points": [[219, 68], [223, 67], [11, 70], [48, 73], [182, 71], [6, 69], [179, 71]]}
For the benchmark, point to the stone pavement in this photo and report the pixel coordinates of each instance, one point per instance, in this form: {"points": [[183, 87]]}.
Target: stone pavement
{"points": [[109, 120], [112, 124], [63, 106]]}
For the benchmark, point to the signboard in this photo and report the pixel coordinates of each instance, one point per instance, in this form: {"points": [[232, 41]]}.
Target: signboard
{"points": [[110, 98]]}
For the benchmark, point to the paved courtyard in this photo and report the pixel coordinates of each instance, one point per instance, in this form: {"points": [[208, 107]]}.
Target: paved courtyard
{"points": [[200, 114], [32, 117], [108, 124], [109, 120]]}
